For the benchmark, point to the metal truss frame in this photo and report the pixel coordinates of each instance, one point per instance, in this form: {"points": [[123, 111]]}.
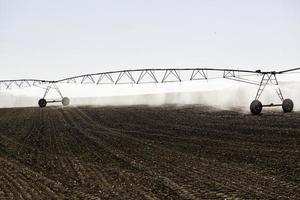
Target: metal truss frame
{"points": [[155, 76], [20, 83]]}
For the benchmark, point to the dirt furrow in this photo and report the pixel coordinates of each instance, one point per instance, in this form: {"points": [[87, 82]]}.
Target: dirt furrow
{"points": [[266, 188], [121, 155], [147, 153], [28, 183]]}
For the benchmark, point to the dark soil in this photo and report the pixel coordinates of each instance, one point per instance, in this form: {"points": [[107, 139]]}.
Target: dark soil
{"points": [[144, 152]]}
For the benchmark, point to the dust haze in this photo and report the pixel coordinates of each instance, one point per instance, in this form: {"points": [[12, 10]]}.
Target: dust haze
{"points": [[236, 98]]}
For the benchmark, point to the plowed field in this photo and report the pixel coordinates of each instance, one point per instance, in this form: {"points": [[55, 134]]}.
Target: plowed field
{"points": [[143, 152]]}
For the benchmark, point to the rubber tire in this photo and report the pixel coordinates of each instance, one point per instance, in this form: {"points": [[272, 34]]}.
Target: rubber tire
{"points": [[256, 107], [65, 101], [42, 103], [287, 105]]}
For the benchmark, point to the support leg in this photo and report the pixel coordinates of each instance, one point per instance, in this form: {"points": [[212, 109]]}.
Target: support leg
{"points": [[270, 79], [43, 102]]}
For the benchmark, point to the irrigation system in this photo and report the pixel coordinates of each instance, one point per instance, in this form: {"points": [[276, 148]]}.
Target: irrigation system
{"points": [[160, 76]]}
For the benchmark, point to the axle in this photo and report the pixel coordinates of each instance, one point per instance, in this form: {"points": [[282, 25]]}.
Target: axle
{"points": [[256, 106], [43, 102]]}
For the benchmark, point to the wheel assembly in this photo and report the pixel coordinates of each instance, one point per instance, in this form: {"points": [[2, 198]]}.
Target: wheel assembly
{"points": [[287, 105], [42, 103], [256, 107], [65, 101]]}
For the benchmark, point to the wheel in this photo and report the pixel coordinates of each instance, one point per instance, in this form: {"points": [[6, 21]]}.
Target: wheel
{"points": [[42, 103], [287, 105], [65, 101], [256, 107]]}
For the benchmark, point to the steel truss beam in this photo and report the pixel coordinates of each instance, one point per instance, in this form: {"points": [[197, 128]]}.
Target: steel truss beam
{"points": [[138, 76], [22, 83], [160, 76]]}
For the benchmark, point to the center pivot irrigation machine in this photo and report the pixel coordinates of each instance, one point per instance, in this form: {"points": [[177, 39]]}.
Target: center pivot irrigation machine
{"points": [[156, 76]]}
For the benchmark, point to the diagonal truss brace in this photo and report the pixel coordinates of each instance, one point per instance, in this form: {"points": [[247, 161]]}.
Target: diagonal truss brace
{"points": [[175, 74], [202, 73], [52, 86], [231, 75], [150, 73], [128, 74]]}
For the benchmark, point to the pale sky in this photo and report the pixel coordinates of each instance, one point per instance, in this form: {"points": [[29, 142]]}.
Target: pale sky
{"points": [[60, 38]]}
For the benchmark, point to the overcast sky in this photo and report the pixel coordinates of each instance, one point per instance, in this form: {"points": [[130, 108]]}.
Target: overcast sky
{"points": [[60, 38]]}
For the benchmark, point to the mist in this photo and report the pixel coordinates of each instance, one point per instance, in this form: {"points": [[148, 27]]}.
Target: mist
{"points": [[220, 95]]}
